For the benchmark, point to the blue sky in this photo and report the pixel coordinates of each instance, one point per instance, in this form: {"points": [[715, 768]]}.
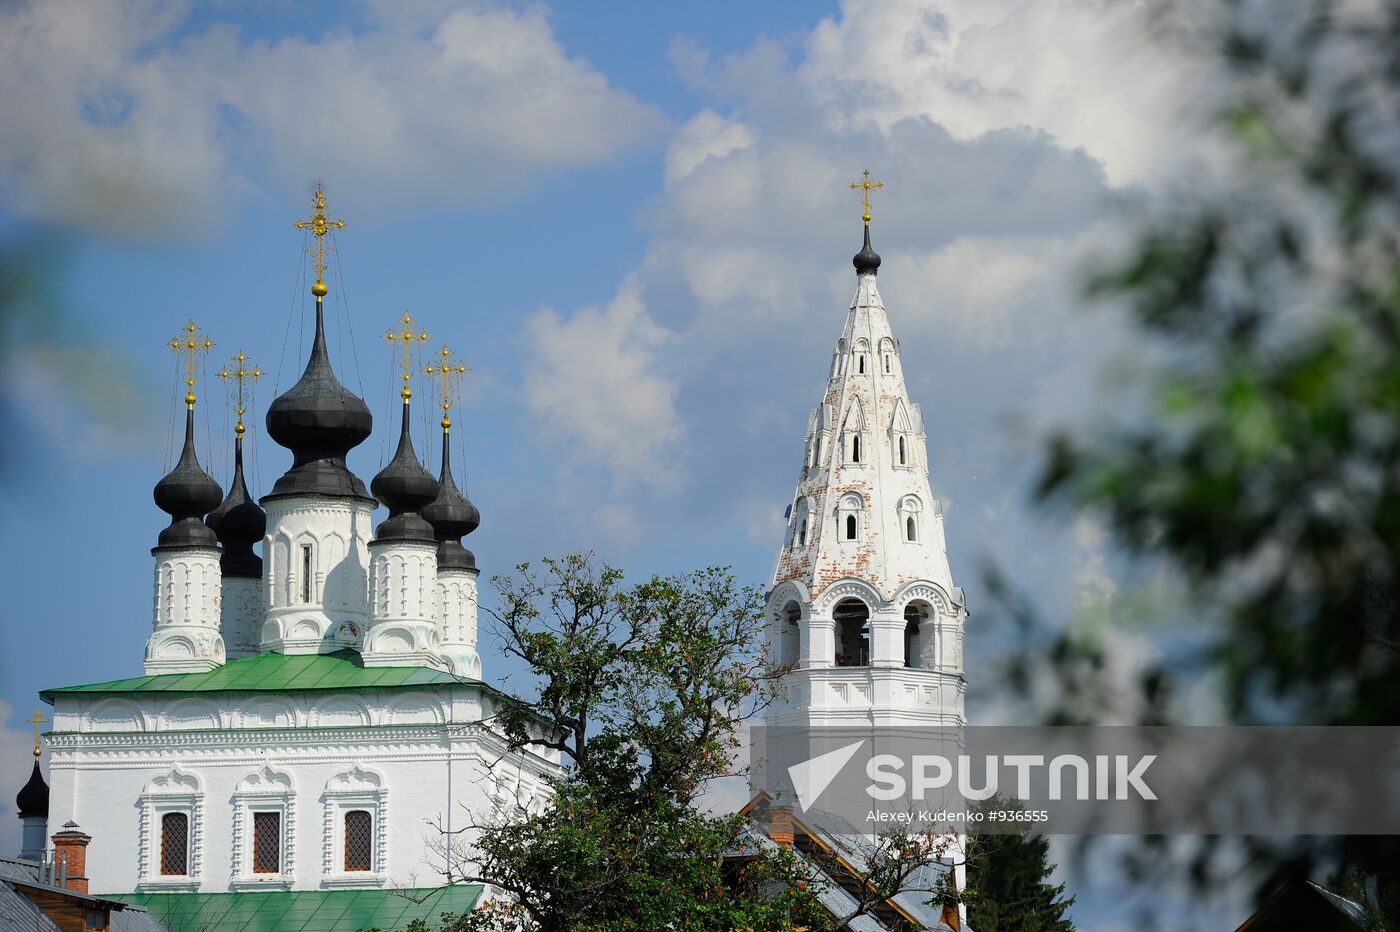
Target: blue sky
{"points": [[631, 220]]}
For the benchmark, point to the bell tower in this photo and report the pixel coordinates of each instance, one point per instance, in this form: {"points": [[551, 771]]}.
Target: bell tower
{"points": [[863, 604]]}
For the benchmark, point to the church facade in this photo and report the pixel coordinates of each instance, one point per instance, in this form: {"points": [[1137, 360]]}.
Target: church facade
{"points": [[307, 718]]}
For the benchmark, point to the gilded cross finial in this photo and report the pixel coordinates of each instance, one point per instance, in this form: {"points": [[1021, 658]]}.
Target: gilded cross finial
{"points": [[449, 374], [407, 338], [38, 721], [243, 374], [319, 225], [865, 184], [191, 342]]}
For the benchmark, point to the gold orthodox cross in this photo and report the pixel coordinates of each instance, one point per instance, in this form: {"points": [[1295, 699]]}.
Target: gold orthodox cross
{"points": [[319, 225], [408, 338], [865, 184], [243, 372], [38, 721], [191, 342], [448, 373]]}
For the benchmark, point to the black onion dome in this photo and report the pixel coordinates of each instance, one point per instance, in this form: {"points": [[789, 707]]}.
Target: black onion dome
{"points": [[187, 494], [404, 487], [867, 260], [33, 800], [452, 516], [320, 421], [239, 524]]}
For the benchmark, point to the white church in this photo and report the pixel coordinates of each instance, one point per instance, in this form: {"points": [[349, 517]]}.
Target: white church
{"points": [[307, 713]]}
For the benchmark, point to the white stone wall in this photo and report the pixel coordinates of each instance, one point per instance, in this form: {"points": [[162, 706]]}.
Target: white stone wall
{"points": [[407, 756], [404, 601], [456, 618], [187, 600], [241, 616], [328, 608]]}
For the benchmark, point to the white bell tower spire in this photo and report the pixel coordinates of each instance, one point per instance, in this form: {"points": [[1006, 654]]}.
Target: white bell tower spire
{"points": [[863, 602]]}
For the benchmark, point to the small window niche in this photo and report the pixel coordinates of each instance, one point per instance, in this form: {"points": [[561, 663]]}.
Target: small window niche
{"points": [[850, 517], [910, 516]]}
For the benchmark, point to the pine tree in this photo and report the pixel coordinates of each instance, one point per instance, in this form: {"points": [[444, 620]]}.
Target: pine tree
{"points": [[1008, 888]]}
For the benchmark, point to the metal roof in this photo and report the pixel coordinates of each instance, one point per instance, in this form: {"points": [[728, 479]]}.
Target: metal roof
{"points": [[304, 910], [343, 669]]}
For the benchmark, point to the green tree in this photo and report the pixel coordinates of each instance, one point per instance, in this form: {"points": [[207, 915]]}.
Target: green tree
{"points": [[642, 690], [1009, 888]]}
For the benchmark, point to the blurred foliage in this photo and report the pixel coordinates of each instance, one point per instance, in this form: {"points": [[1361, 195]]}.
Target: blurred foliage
{"points": [[1263, 467]]}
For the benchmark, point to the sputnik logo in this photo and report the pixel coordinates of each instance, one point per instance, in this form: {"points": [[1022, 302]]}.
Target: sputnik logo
{"points": [[811, 777]]}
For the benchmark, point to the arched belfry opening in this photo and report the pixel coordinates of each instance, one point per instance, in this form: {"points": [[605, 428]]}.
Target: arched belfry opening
{"points": [[852, 618], [918, 635], [790, 634]]}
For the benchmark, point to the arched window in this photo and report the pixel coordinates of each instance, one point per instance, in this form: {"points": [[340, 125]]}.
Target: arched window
{"points": [[850, 527], [887, 364], [855, 448], [175, 844], [902, 459], [359, 841], [909, 528], [802, 533]]}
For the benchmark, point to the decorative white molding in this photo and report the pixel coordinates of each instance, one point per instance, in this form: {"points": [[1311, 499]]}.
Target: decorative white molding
{"points": [[176, 791], [264, 790], [356, 788]]}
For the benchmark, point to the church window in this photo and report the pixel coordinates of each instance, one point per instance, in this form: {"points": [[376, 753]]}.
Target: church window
{"points": [[855, 449], [887, 364], [909, 528], [175, 844], [359, 842], [850, 527], [902, 456], [861, 364], [306, 573], [802, 534], [267, 842]]}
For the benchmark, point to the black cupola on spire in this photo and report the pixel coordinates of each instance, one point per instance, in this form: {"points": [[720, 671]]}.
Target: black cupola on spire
{"points": [[239, 524], [187, 494], [452, 516], [320, 421], [404, 487], [867, 260], [33, 800]]}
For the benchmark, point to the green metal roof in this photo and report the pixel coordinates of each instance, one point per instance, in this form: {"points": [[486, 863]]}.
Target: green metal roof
{"points": [[308, 910], [343, 669]]}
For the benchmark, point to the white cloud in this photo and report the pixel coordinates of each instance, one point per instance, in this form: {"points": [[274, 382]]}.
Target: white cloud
{"points": [[705, 135], [1085, 71], [103, 132], [596, 385]]}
